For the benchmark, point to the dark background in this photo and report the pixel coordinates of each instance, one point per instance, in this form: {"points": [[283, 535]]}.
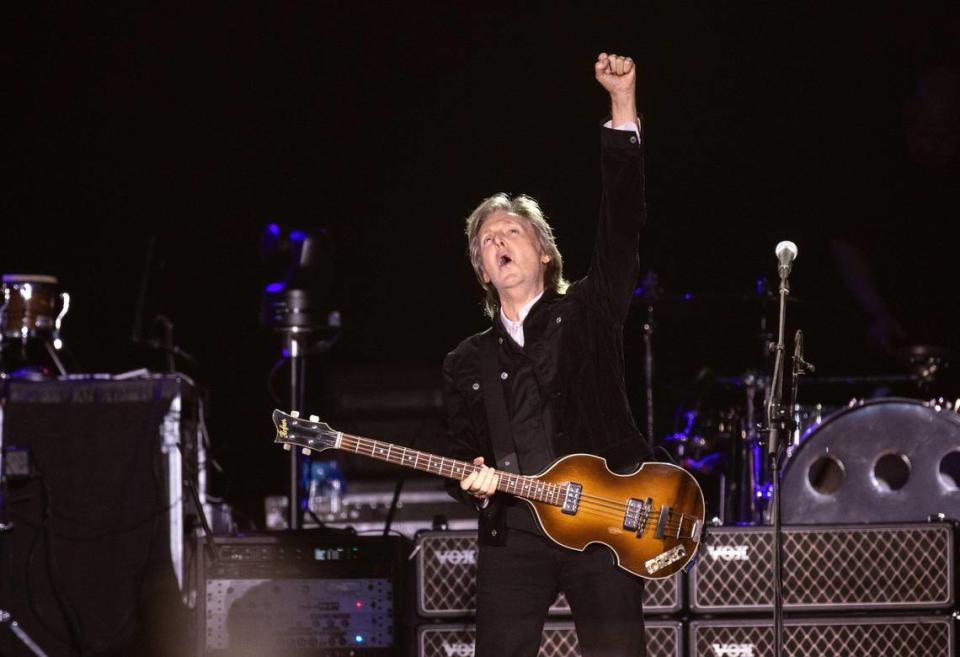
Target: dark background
{"points": [[386, 123]]}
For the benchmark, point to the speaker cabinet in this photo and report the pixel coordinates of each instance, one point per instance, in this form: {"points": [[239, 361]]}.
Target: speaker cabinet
{"points": [[664, 639], [827, 569], [446, 579], [915, 636], [94, 563]]}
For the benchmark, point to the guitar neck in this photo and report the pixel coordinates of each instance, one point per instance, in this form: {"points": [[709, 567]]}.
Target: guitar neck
{"points": [[523, 486]]}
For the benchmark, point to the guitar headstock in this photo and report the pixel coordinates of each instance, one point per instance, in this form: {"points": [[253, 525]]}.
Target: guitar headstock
{"points": [[309, 434]]}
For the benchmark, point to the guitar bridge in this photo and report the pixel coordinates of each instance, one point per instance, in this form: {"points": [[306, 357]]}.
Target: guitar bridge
{"points": [[635, 517], [571, 499]]}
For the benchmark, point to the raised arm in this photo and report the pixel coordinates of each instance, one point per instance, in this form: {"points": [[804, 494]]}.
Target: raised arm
{"points": [[615, 267]]}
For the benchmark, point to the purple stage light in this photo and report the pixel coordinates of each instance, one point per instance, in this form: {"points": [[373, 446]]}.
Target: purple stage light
{"points": [[275, 287], [297, 235], [273, 229], [704, 463]]}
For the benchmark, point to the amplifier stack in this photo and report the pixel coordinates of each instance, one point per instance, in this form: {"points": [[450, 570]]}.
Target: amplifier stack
{"points": [[867, 590], [871, 590], [446, 572]]}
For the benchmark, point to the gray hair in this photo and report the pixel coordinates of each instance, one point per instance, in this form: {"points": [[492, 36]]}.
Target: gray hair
{"points": [[527, 208]]}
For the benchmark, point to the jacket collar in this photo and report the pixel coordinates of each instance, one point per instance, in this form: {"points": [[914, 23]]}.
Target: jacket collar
{"points": [[546, 300]]}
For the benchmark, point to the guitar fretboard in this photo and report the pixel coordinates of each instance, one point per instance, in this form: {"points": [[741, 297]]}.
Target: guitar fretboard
{"points": [[520, 485]]}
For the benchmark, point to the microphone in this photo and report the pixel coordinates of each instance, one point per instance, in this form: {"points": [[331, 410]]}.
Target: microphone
{"points": [[786, 253], [799, 364]]}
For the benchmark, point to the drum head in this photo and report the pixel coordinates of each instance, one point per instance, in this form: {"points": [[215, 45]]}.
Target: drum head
{"points": [[885, 460], [42, 279]]}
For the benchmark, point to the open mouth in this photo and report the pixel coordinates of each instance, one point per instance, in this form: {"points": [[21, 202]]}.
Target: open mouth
{"points": [[505, 260]]}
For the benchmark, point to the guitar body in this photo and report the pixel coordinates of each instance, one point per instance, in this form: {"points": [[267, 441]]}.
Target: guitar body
{"points": [[599, 518]]}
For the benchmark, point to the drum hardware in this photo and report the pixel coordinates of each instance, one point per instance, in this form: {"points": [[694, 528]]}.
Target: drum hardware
{"points": [[887, 459], [165, 344], [31, 319], [159, 336], [925, 362]]}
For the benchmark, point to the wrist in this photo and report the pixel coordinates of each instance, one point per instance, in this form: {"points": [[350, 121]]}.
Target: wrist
{"points": [[623, 109]]}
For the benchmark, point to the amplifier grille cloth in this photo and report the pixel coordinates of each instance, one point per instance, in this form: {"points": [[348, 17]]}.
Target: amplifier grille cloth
{"points": [[930, 637], [446, 572], [840, 567], [559, 640]]}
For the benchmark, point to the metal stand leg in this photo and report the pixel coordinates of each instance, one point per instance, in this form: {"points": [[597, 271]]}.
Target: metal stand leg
{"points": [[297, 387], [55, 357], [648, 372], [7, 619]]}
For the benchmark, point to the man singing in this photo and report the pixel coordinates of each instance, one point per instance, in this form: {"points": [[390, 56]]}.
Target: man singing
{"points": [[547, 380]]}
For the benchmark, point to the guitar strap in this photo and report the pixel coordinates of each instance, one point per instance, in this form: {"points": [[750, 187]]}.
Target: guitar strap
{"points": [[498, 422]]}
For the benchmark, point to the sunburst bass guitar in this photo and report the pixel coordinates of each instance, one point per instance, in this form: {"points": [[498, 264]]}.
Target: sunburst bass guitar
{"points": [[652, 519]]}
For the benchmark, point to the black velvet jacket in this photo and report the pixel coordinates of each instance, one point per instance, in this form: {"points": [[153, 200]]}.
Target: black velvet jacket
{"points": [[574, 341]]}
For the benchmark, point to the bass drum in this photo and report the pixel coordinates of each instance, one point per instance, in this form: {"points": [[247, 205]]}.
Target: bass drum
{"points": [[883, 460]]}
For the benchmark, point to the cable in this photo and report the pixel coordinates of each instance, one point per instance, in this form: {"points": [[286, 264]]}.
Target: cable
{"points": [[271, 375], [75, 640]]}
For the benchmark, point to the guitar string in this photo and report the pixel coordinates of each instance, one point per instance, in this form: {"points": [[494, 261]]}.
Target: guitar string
{"points": [[669, 530], [555, 490], [668, 527]]}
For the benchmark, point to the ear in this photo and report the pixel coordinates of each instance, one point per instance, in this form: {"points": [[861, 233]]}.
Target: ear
{"points": [[544, 259], [483, 275]]}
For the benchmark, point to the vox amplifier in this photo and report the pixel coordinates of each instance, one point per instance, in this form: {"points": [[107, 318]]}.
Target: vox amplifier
{"points": [[664, 639], [446, 579], [827, 568], [916, 636]]}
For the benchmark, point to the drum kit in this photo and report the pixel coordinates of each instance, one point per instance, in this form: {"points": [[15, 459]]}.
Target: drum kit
{"points": [[31, 319], [851, 456]]}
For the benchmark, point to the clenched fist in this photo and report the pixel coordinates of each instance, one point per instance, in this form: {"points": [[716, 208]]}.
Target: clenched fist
{"points": [[618, 75]]}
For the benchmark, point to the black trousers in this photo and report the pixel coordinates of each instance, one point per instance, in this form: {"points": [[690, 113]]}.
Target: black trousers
{"points": [[517, 583]]}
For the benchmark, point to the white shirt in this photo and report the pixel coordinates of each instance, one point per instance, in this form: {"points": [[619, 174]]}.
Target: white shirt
{"points": [[515, 328]]}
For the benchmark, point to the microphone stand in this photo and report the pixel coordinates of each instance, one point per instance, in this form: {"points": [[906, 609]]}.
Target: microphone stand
{"points": [[776, 425], [650, 296]]}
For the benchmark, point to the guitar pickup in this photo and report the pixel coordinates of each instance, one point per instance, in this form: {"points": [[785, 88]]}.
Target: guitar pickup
{"points": [[571, 499], [636, 514], [662, 521]]}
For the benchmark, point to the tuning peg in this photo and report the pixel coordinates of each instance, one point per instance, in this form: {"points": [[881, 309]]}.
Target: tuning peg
{"points": [[287, 446], [306, 451], [294, 413], [314, 418]]}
